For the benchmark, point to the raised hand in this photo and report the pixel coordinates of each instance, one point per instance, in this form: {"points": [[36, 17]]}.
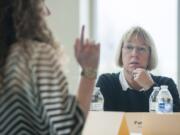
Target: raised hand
{"points": [[87, 52]]}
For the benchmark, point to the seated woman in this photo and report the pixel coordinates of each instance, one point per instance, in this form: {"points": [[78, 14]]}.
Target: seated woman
{"points": [[129, 90]]}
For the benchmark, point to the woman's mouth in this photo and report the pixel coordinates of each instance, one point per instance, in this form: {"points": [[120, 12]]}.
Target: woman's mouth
{"points": [[135, 64]]}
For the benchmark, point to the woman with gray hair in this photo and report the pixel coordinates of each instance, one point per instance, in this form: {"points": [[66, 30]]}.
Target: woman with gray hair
{"points": [[129, 90]]}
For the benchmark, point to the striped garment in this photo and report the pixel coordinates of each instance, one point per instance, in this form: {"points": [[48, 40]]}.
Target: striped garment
{"points": [[34, 97]]}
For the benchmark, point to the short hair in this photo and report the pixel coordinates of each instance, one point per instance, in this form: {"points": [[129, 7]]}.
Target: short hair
{"points": [[139, 32]]}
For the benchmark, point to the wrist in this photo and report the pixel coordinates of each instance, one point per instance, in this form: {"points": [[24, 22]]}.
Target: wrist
{"points": [[149, 85], [90, 73]]}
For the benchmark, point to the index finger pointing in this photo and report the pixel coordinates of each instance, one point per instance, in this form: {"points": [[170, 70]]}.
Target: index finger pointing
{"points": [[82, 35]]}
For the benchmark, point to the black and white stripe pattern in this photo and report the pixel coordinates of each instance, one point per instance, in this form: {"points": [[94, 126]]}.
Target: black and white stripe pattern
{"points": [[34, 99]]}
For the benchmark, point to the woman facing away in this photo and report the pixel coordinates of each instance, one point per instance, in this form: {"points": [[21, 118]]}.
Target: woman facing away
{"points": [[34, 98], [129, 89]]}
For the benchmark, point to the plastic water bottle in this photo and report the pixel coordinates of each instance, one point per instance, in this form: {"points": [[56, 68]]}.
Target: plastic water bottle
{"points": [[153, 99], [164, 100], [97, 101]]}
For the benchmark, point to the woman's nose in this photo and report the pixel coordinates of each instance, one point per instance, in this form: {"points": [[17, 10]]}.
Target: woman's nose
{"points": [[47, 11], [134, 51]]}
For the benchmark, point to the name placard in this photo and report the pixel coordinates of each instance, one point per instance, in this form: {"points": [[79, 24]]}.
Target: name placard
{"points": [[120, 123]]}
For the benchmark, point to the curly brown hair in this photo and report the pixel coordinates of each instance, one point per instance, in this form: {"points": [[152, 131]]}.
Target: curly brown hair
{"points": [[21, 20]]}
